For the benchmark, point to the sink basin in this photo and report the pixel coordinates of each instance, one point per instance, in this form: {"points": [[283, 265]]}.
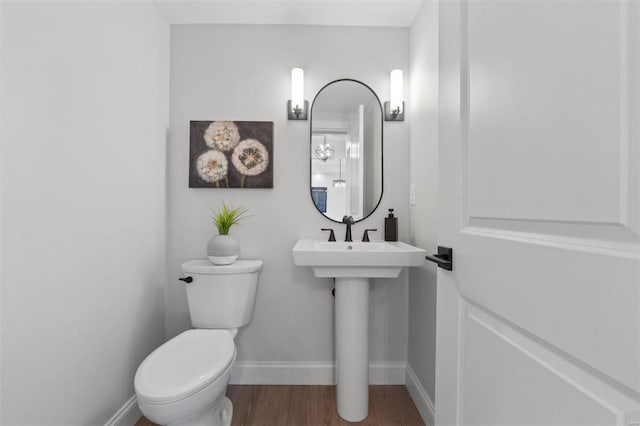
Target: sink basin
{"points": [[334, 245], [376, 259], [352, 264]]}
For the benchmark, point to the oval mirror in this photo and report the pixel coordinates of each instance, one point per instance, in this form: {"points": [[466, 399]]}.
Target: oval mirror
{"points": [[346, 150]]}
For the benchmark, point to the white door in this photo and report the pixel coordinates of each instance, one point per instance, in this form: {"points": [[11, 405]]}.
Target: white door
{"points": [[538, 323]]}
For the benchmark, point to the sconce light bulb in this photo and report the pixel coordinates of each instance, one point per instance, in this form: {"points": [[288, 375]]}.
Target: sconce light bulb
{"points": [[297, 90], [396, 89]]}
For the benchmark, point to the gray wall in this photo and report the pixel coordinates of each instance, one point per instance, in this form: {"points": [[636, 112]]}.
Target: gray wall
{"points": [[423, 113], [235, 72], [84, 105]]}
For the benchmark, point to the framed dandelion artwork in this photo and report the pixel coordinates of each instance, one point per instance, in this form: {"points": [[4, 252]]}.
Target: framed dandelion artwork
{"points": [[231, 154]]}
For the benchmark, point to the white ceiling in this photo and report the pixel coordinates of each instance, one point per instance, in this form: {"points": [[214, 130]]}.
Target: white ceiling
{"points": [[376, 13]]}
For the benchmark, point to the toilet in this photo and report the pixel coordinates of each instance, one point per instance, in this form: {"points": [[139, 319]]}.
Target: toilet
{"points": [[184, 381]]}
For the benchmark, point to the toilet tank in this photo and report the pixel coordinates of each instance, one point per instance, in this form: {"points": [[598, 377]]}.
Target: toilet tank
{"points": [[221, 296]]}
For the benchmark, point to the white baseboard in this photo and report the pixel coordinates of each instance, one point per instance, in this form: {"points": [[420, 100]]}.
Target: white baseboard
{"points": [[127, 415], [281, 373], [304, 373], [420, 397]]}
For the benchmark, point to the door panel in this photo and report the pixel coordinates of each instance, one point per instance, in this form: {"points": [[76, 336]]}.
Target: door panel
{"points": [[547, 91], [539, 159], [584, 304], [518, 368]]}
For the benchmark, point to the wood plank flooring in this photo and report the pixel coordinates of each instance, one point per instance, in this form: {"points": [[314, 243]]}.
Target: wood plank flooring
{"points": [[314, 406]]}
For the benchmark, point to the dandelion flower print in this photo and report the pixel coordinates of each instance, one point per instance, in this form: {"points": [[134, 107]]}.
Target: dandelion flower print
{"points": [[250, 158], [212, 167], [222, 135]]}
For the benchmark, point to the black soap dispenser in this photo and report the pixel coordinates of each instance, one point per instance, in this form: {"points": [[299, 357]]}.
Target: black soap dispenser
{"points": [[391, 227]]}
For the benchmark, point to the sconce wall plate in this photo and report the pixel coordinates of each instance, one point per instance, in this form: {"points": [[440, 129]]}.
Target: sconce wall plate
{"points": [[302, 115], [390, 115]]}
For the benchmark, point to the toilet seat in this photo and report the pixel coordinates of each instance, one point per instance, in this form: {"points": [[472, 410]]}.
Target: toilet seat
{"points": [[184, 365]]}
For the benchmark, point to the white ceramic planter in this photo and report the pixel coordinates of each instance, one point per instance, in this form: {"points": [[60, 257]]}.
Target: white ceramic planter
{"points": [[223, 250]]}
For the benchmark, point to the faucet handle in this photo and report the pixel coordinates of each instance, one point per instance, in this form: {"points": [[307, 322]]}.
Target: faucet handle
{"points": [[365, 236], [332, 236]]}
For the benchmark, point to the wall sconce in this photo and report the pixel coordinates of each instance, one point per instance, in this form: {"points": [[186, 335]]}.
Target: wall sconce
{"points": [[394, 108], [297, 107]]}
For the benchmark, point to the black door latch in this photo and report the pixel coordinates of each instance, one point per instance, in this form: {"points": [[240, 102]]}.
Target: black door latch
{"points": [[444, 258]]}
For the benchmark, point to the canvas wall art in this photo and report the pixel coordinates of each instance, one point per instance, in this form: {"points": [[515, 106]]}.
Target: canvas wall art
{"points": [[231, 154]]}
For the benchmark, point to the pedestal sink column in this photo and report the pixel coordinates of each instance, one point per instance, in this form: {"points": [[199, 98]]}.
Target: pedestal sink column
{"points": [[352, 264], [352, 348]]}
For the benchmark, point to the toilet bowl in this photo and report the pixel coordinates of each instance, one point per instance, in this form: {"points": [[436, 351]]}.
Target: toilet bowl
{"points": [[183, 382]]}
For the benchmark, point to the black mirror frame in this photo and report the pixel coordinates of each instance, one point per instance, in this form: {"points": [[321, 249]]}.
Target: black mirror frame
{"points": [[381, 147]]}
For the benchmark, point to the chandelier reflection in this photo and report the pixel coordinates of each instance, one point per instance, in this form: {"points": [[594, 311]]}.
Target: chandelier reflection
{"points": [[324, 151], [339, 183]]}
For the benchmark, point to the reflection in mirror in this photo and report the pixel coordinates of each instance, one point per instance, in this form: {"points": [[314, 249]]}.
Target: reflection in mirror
{"points": [[346, 150]]}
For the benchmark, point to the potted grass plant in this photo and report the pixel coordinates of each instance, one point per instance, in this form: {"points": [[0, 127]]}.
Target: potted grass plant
{"points": [[223, 249]]}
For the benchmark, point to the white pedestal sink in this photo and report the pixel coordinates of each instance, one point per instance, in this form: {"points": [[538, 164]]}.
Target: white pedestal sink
{"points": [[352, 264]]}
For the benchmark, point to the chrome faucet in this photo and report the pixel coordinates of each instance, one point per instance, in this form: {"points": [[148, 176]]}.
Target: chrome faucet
{"points": [[348, 220]]}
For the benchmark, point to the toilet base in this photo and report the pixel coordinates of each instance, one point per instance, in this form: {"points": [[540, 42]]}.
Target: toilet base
{"points": [[219, 414]]}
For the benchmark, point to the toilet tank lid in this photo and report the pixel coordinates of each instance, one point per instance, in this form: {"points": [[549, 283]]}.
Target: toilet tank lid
{"points": [[204, 266]]}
